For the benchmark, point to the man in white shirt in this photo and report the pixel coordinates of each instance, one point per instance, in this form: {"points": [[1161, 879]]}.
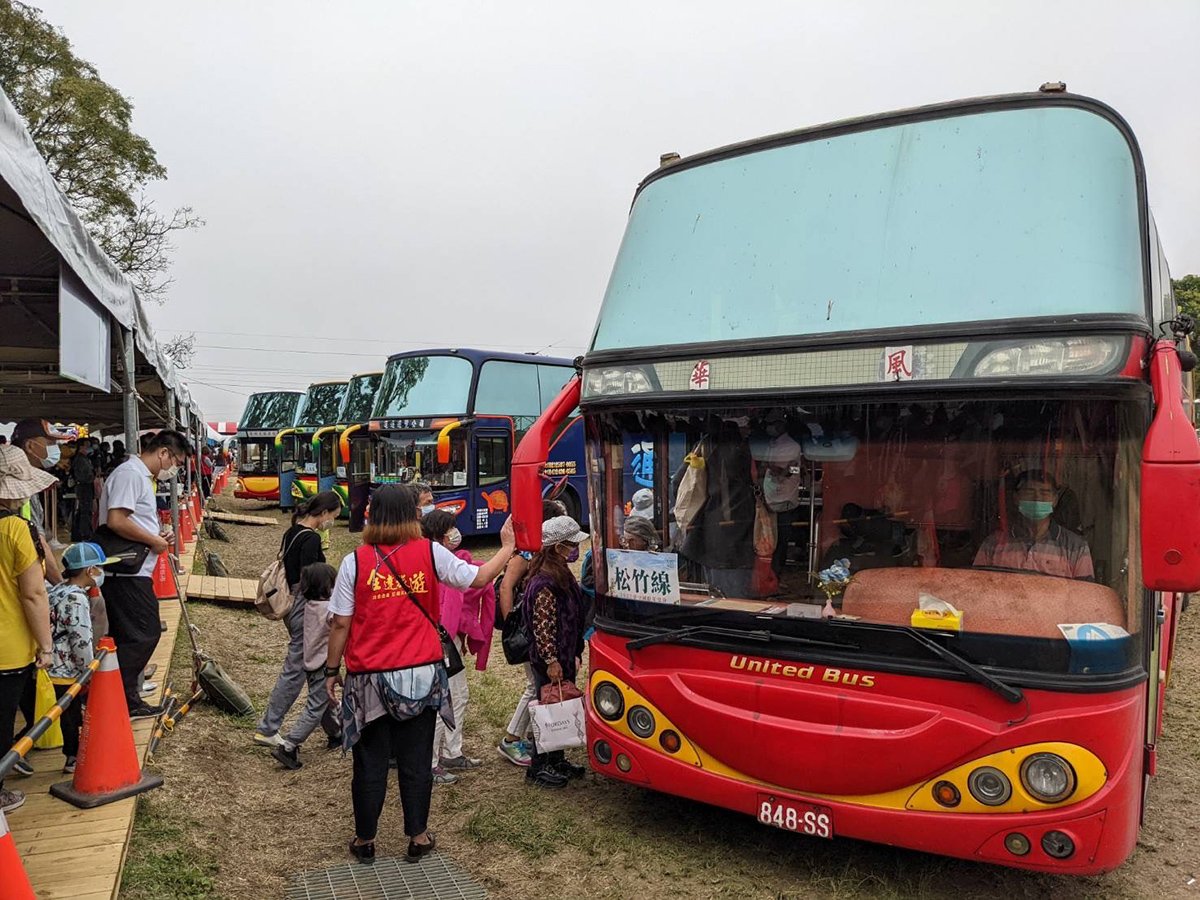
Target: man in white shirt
{"points": [[127, 506]]}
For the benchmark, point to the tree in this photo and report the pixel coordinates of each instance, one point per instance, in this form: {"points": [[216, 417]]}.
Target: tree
{"points": [[1187, 295], [180, 349], [81, 126]]}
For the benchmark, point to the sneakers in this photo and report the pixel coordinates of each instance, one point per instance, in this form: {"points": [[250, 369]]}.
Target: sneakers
{"points": [[149, 687], [441, 776], [568, 769], [459, 762], [516, 752], [22, 768], [69, 766], [268, 740], [10, 800], [145, 711], [544, 776], [288, 757], [416, 852]]}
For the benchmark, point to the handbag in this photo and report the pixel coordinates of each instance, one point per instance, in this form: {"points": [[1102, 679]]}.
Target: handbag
{"points": [[273, 597], [44, 698], [514, 636], [558, 725], [450, 655], [131, 553], [555, 693], [693, 488]]}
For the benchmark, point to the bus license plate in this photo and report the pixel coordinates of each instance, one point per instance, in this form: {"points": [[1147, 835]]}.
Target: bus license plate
{"points": [[792, 815]]}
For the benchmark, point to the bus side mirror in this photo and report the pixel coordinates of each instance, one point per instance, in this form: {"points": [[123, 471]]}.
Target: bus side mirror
{"points": [[1170, 511], [528, 461]]}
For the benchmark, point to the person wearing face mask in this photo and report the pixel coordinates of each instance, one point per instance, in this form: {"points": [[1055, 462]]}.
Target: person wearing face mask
{"points": [[301, 546], [40, 442], [554, 610], [83, 471], [128, 508], [425, 503], [468, 616], [1034, 541], [75, 633]]}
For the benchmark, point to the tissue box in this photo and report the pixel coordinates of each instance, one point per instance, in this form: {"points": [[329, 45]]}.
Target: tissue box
{"points": [[934, 618]]}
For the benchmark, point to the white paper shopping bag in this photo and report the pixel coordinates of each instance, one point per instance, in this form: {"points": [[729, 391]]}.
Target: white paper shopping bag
{"points": [[557, 726]]}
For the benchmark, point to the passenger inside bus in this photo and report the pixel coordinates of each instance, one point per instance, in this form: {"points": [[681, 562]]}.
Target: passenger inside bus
{"points": [[1033, 540]]}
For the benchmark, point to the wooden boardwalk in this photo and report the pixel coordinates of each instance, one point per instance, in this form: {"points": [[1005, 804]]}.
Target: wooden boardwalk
{"points": [[216, 589], [78, 854]]}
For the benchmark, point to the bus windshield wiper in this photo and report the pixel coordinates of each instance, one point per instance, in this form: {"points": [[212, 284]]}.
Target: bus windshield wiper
{"points": [[976, 673], [759, 635]]}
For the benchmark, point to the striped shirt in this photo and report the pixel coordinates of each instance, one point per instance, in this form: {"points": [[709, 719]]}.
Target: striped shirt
{"points": [[1058, 552]]}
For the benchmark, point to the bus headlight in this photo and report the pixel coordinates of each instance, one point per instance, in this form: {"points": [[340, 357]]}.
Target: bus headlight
{"points": [[608, 701], [609, 381], [989, 786], [1051, 356], [1048, 777], [641, 721]]}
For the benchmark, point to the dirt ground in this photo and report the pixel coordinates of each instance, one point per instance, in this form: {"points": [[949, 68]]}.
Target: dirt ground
{"points": [[232, 814]]}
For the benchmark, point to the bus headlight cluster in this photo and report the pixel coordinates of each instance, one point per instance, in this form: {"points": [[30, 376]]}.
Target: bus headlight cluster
{"points": [[608, 701], [1051, 356], [1048, 777], [603, 382], [641, 721], [989, 786]]}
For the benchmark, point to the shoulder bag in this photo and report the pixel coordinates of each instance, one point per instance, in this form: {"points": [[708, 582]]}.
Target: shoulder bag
{"points": [[131, 553], [450, 655], [274, 595]]}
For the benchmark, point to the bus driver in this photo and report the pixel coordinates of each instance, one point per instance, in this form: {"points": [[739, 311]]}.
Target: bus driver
{"points": [[1033, 541]]}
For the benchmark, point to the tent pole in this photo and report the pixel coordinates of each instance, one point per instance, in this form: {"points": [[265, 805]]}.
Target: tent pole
{"points": [[171, 423], [130, 392]]}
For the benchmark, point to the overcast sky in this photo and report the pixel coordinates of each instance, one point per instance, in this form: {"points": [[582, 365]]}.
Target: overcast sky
{"points": [[378, 176]]}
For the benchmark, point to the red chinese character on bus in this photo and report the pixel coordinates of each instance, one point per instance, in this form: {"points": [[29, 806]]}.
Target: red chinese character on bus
{"points": [[700, 376], [898, 364]]}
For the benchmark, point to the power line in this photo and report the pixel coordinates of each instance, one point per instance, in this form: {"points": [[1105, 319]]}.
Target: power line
{"points": [[357, 340]]}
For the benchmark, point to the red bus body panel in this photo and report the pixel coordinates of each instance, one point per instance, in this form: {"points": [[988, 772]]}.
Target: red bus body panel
{"points": [[807, 738]]}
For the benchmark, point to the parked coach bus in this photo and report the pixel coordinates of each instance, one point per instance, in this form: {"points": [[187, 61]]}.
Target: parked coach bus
{"points": [[351, 442], [265, 414], [914, 390], [298, 478], [451, 418]]}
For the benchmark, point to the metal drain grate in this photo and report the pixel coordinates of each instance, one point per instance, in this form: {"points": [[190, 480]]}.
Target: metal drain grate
{"points": [[391, 878]]}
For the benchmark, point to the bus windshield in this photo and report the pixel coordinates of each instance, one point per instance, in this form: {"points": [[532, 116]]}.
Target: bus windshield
{"points": [[999, 214], [273, 410], [1011, 522], [359, 399], [424, 386], [407, 457], [322, 404], [257, 456]]}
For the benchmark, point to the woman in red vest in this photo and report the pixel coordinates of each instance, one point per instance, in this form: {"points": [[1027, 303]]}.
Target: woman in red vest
{"points": [[384, 607]]}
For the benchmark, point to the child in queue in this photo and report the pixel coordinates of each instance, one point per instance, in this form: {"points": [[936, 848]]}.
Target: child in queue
{"points": [[315, 589], [75, 634], [468, 616]]}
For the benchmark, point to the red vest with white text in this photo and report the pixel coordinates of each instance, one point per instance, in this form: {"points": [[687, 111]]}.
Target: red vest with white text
{"points": [[387, 630]]}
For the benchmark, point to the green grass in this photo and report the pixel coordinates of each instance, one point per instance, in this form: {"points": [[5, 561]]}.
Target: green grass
{"points": [[162, 863]]}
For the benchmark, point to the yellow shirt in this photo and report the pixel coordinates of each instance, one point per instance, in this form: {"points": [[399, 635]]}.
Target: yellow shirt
{"points": [[18, 648]]}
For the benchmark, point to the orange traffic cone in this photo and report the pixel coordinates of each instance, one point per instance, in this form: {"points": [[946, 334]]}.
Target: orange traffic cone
{"points": [[108, 767], [164, 584], [188, 533], [12, 873]]}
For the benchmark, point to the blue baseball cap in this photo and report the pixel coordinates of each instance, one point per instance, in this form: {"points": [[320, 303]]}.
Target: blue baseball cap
{"points": [[86, 555]]}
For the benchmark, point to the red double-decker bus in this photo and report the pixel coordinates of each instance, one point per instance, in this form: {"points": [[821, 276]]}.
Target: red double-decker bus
{"points": [[910, 394]]}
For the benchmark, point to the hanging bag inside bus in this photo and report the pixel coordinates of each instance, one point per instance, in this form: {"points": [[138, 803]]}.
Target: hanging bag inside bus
{"points": [[763, 582], [693, 488], [274, 595], [450, 655]]}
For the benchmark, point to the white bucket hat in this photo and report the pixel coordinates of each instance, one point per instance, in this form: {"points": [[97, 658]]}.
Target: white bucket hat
{"points": [[18, 479], [560, 529]]}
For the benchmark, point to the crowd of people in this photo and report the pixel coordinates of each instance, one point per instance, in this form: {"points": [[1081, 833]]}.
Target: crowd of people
{"points": [[380, 645], [55, 608]]}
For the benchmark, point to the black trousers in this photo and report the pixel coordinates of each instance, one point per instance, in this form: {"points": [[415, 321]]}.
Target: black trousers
{"points": [[411, 742], [81, 526], [71, 721], [12, 688], [134, 624]]}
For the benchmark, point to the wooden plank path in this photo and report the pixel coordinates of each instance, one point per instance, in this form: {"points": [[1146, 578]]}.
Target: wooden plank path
{"points": [[78, 854], [219, 589]]}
